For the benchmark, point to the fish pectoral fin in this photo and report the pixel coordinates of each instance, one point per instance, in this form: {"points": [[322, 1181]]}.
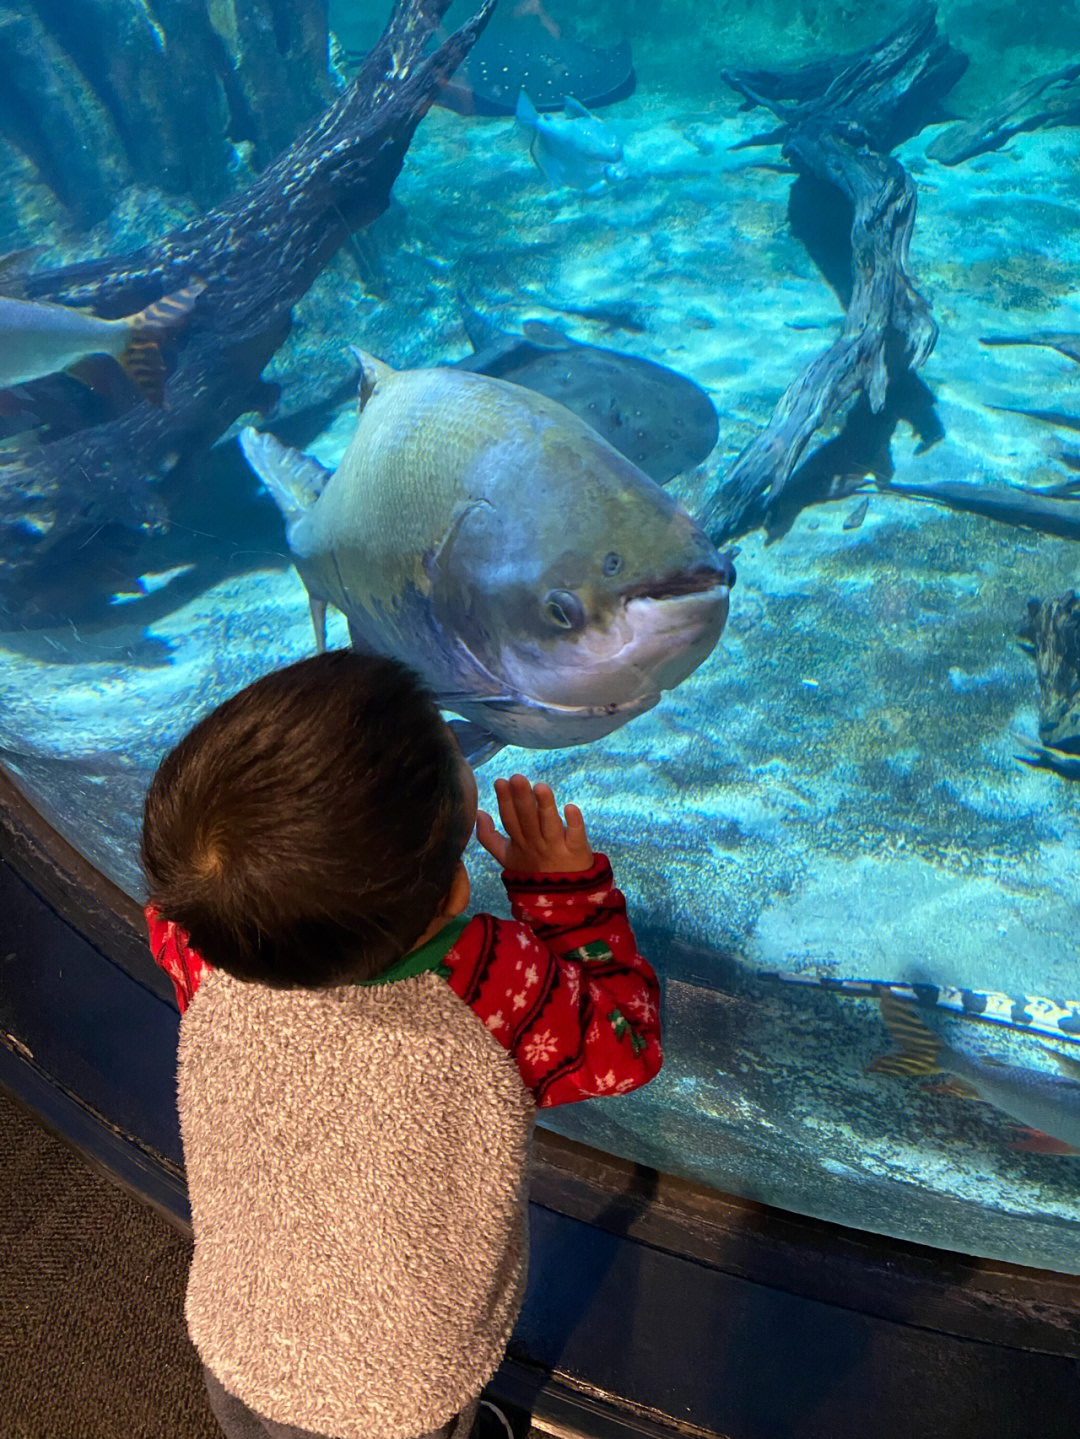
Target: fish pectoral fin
{"points": [[318, 622], [478, 745]]}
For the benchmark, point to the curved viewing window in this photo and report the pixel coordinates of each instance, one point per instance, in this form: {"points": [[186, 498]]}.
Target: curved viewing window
{"points": [[815, 270]]}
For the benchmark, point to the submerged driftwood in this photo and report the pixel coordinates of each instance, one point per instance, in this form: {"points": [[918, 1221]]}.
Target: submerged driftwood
{"points": [[101, 94], [256, 256], [839, 118], [1051, 634], [1050, 100], [1046, 513]]}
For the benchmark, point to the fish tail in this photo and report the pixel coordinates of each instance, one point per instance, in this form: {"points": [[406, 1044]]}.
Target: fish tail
{"points": [[141, 359], [919, 1047]]}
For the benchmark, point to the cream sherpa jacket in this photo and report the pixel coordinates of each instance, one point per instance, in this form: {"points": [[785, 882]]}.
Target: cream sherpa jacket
{"points": [[357, 1163], [357, 1157]]}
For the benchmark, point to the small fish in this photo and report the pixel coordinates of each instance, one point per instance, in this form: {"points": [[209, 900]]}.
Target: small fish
{"points": [[578, 151], [38, 338], [1047, 1105], [541, 585]]}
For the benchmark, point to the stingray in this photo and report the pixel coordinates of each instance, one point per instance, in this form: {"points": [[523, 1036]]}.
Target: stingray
{"points": [[659, 419], [524, 49]]}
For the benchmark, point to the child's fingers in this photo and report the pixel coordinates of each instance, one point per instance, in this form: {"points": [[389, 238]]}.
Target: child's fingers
{"points": [[551, 825], [525, 810], [576, 837], [496, 844], [508, 810]]}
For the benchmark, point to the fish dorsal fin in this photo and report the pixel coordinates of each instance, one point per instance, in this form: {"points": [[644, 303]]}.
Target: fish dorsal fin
{"points": [[539, 332], [1065, 1062], [371, 372], [482, 332], [575, 109]]}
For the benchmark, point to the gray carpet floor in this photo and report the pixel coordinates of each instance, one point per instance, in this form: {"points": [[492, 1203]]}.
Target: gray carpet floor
{"points": [[92, 1336]]}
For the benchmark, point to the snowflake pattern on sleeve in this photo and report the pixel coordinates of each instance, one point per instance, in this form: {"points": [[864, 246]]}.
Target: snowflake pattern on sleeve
{"points": [[563, 987]]}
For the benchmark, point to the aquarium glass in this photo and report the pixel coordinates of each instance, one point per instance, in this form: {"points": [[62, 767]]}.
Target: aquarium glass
{"points": [[814, 269]]}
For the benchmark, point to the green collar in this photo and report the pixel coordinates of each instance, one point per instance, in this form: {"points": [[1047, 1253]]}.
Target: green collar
{"points": [[428, 956]]}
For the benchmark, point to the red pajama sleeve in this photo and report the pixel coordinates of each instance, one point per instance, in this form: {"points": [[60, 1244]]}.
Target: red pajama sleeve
{"points": [[562, 986]]}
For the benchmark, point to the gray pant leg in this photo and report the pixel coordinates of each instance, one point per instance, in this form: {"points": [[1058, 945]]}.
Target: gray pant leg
{"points": [[237, 1421]]}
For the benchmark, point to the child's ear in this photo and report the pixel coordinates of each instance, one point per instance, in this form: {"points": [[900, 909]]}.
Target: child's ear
{"points": [[458, 897]]}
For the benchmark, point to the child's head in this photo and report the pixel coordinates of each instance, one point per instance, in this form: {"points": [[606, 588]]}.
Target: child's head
{"points": [[309, 830]]}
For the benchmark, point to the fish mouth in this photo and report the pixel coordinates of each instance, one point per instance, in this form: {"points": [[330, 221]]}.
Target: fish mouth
{"points": [[700, 581]]}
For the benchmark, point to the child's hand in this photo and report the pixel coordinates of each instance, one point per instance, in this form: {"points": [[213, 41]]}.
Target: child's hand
{"points": [[538, 840]]}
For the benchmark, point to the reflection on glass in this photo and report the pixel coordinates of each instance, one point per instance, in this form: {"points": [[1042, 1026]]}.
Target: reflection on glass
{"points": [[826, 306]]}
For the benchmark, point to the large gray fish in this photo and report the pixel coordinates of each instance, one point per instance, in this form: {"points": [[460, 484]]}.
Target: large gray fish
{"points": [[1046, 1104], [578, 151], [38, 338], [542, 586]]}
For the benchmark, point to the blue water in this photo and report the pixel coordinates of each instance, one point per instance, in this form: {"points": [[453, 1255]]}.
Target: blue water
{"points": [[836, 790]]}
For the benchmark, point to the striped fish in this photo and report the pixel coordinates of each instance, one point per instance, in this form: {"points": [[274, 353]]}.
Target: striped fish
{"points": [[1057, 1018], [38, 338], [1046, 1105]]}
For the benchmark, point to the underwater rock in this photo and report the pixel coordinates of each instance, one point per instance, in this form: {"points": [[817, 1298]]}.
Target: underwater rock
{"points": [[256, 255], [1050, 100], [1052, 629], [873, 99]]}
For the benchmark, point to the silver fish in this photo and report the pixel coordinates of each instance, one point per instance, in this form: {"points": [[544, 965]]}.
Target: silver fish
{"points": [[1048, 1104], [578, 151], [38, 338], [543, 587]]}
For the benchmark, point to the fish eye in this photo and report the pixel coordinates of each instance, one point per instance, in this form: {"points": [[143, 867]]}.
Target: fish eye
{"points": [[564, 609], [612, 563]]}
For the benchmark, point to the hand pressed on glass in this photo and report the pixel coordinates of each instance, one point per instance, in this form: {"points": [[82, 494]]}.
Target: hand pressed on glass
{"points": [[537, 839]]}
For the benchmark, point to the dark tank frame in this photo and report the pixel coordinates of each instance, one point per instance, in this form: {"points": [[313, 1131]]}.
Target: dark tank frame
{"points": [[654, 1304]]}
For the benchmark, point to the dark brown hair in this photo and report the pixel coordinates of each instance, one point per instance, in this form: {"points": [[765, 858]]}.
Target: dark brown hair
{"points": [[305, 832]]}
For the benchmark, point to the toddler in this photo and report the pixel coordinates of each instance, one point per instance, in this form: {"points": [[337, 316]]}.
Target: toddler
{"points": [[360, 1063]]}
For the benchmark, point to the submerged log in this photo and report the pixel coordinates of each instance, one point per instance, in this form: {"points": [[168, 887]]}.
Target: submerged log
{"points": [[1051, 634], [1050, 100], [839, 135], [256, 256]]}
